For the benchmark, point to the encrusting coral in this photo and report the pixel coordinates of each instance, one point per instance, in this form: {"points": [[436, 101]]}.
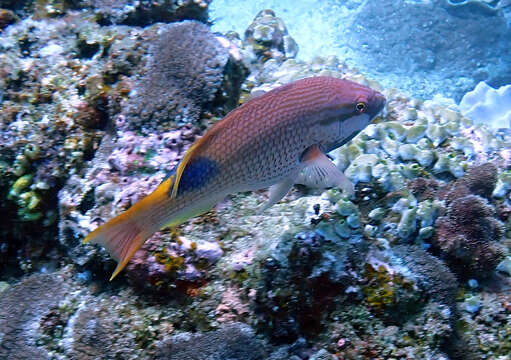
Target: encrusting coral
{"points": [[22, 310], [401, 280], [232, 341], [300, 281]]}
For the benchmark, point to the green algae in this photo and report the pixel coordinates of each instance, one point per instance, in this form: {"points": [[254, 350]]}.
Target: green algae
{"points": [[389, 293], [172, 263]]}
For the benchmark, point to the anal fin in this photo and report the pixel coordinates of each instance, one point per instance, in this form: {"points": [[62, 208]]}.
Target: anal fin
{"points": [[277, 192], [320, 172]]}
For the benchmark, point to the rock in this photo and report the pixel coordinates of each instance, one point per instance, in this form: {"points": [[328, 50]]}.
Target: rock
{"points": [[23, 308], [234, 341]]}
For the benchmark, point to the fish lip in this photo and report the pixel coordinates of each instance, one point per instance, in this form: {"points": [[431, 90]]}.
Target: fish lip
{"points": [[381, 99]]}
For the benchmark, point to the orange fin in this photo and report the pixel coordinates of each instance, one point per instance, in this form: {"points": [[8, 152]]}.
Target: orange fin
{"points": [[181, 168], [121, 239], [126, 233]]}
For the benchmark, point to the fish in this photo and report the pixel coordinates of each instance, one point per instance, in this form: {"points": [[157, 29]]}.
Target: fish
{"points": [[274, 140]]}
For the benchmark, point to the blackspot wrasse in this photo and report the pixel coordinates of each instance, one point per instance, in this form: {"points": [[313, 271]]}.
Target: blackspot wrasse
{"points": [[277, 139]]}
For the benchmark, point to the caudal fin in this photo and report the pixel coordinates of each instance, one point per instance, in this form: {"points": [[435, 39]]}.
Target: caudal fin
{"points": [[121, 239], [126, 233]]}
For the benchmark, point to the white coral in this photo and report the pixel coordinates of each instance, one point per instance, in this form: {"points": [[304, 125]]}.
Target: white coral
{"points": [[486, 105]]}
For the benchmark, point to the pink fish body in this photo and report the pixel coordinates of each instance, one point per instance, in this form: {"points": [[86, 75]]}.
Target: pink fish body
{"points": [[277, 139]]}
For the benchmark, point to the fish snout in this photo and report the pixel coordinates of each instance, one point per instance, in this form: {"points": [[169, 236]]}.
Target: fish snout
{"points": [[377, 103]]}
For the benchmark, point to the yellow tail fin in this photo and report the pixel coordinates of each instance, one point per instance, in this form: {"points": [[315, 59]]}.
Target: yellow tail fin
{"points": [[123, 235], [121, 240]]}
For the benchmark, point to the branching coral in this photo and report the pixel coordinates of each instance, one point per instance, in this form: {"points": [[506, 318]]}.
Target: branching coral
{"points": [[469, 236]]}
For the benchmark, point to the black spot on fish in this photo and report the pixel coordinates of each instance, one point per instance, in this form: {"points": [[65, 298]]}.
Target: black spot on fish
{"points": [[197, 173]]}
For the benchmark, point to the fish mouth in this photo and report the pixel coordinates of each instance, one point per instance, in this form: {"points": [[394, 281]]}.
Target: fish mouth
{"points": [[377, 104]]}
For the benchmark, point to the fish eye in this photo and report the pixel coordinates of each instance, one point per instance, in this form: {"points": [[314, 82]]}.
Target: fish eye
{"points": [[361, 107]]}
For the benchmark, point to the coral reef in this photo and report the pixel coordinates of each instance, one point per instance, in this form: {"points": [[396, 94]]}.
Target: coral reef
{"points": [[317, 276], [486, 333], [63, 88], [451, 58], [356, 334], [267, 38], [55, 107], [468, 234], [23, 313], [117, 178], [145, 12], [182, 265], [300, 281], [479, 180], [402, 279], [108, 12]]}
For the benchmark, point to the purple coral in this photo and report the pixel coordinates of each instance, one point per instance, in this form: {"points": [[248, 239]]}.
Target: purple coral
{"points": [[468, 234], [479, 180], [183, 75]]}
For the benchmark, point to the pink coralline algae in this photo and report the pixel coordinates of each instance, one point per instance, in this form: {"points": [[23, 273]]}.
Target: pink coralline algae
{"points": [[124, 170]]}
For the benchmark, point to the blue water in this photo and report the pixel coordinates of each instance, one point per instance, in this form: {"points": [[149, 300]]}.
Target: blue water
{"points": [[420, 47]]}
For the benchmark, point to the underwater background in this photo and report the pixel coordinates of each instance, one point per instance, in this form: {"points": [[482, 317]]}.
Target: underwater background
{"points": [[100, 99]]}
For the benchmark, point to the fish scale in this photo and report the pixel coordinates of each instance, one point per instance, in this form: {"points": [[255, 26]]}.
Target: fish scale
{"points": [[265, 142]]}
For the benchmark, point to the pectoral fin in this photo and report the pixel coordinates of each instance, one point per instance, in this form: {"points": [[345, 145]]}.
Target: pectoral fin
{"points": [[320, 172], [277, 192]]}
